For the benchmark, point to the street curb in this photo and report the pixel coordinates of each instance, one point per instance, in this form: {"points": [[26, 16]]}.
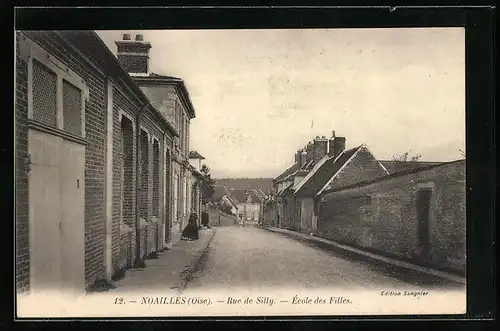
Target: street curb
{"points": [[371, 257], [186, 274]]}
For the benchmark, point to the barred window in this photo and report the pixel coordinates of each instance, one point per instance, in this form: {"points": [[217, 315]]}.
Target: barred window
{"points": [[44, 95], [72, 108]]}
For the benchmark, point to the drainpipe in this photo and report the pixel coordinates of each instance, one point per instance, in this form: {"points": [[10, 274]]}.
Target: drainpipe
{"points": [[138, 263]]}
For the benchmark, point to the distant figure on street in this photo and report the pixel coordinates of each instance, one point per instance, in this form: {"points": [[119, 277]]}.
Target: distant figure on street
{"points": [[205, 219], [191, 230]]}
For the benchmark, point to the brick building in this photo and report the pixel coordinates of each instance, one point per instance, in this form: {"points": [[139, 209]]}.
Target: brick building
{"points": [[170, 96], [93, 163], [416, 215], [339, 167]]}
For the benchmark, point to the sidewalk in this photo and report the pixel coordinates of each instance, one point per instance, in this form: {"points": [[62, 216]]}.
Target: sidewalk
{"points": [[368, 256], [171, 270]]}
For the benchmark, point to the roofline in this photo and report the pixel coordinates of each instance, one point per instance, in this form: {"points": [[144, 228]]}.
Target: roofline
{"points": [[380, 164], [177, 82], [127, 79], [341, 168], [393, 175], [316, 167], [281, 174], [201, 157], [230, 201], [421, 162]]}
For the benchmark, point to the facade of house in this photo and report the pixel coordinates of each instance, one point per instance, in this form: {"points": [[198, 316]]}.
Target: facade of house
{"points": [[249, 204], [224, 200], [323, 162], [94, 162], [416, 215], [170, 96]]}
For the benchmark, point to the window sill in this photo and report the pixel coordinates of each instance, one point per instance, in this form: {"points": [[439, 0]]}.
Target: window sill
{"points": [[32, 124]]}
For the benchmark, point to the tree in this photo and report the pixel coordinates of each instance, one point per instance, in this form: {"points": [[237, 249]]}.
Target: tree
{"points": [[207, 184], [405, 158], [462, 152]]}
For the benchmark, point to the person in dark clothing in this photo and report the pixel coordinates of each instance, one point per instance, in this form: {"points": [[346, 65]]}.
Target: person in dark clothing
{"points": [[191, 230], [205, 219]]}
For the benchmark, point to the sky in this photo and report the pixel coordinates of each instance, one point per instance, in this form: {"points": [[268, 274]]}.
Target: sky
{"points": [[260, 95]]}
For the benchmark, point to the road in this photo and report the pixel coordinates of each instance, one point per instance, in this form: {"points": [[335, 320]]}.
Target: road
{"points": [[253, 258]]}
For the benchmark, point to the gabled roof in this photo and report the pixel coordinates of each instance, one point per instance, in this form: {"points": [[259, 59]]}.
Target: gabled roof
{"points": [[308, 166], [220, 191], [242, 195], [325, 170], [260, 193], [310, 173], [397, 166], [285, 189], [326, 186], [287, 172], [231, 200], [196, 155]]}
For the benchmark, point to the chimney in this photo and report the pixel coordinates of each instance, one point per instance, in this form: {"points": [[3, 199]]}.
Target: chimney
{"points": [[309, 151], [133, 55], [297, 156], [303, 158], [330, 144], [320, 148], [337, 146]]}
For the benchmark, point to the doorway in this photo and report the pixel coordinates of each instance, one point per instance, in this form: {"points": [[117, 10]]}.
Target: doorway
{"points": [[56, 213], [423, 205]]}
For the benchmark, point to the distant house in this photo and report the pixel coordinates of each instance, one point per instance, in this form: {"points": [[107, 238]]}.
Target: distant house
{"points": [[262, 184], [223, 198], [228, 205], [305, 159], [249, 204], [219, 192]]}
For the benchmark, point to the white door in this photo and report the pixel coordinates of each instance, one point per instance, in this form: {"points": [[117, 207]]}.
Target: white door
{"points": [[44, 216], [56, 200], [73, 228]]}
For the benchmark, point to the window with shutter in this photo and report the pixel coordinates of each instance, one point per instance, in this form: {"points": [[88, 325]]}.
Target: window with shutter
{"points": [[72, 108], [56, 94], [44, 95]]}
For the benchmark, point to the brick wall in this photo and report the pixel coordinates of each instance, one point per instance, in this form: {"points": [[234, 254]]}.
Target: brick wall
{"points": [[133, 63], [123, 238], [21, 159], [123, 242], [95, 119], [382, 216]]}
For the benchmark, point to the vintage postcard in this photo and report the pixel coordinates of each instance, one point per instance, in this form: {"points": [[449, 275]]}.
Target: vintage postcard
{"points": [[263, 172]]}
